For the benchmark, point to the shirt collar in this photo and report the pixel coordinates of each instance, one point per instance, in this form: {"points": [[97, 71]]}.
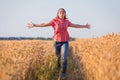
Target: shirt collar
{"points": [[59, 19]]}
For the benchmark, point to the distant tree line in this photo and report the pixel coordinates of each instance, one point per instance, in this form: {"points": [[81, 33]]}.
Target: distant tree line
{"points": [[28, 38]]}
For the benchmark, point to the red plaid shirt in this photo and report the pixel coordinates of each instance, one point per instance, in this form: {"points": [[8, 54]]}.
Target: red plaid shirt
{"points": [[60, 29]]}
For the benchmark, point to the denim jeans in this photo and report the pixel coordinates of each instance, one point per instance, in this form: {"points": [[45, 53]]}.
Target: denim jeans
{"points": [[61, 50]]}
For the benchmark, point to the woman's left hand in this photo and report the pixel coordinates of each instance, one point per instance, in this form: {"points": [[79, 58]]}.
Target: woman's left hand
{"points": [[87, 26]]}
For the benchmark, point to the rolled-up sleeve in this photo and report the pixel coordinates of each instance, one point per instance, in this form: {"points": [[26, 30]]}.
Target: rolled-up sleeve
{"points": [[52, 22], [69, 23]]}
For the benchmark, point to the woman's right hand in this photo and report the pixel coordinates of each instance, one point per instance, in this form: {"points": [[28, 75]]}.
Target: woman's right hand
{"points": [[30, 25]]}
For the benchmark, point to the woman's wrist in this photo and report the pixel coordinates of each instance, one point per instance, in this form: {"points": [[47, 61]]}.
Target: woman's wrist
{"points": [[86, 26], [34, 25]]}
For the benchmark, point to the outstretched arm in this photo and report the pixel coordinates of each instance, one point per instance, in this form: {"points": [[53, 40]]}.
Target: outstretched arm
{"points": [[80, 26], [31, 25]]}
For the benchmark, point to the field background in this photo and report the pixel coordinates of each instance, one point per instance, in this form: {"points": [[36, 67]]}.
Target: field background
{"points": [[88, 59]]}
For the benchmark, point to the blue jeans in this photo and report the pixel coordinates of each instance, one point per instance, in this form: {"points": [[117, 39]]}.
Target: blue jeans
{"points": [[61, 50]]}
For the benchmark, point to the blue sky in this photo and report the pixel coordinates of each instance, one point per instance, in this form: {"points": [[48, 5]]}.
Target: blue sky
{"points": [[102, 15]]}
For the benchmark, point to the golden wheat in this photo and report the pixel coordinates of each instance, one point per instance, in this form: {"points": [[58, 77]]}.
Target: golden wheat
{"points": [[18, 58], [99, 58], [96, 58]]}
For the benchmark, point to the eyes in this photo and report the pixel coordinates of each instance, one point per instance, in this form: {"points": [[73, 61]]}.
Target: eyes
{"points": [[61, 12]]}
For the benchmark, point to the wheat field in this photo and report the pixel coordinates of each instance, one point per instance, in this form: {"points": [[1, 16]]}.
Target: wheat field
{"points": [[19, 59], [98, 58], [88, 59]]}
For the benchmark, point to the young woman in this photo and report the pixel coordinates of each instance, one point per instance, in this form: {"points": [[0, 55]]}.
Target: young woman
{"points": [[60, 25]]}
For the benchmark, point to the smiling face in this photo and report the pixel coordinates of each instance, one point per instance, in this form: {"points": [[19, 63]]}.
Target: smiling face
{"points": [[61, 14]]}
